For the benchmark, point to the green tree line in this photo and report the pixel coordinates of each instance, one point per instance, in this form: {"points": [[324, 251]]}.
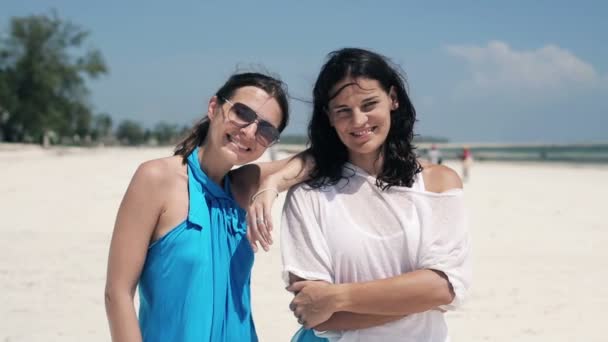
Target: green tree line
{"points": [[44, 66]]}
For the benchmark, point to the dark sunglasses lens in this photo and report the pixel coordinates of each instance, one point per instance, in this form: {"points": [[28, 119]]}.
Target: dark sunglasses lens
{"points": [[267, 133], [243, 114]]}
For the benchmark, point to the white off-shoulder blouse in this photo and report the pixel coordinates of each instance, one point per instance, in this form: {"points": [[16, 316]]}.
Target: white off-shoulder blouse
{"points": [[354, 232]]}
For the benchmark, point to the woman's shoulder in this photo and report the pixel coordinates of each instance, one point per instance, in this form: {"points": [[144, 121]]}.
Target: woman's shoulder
{"points": [[439, 178], [159, 171]]}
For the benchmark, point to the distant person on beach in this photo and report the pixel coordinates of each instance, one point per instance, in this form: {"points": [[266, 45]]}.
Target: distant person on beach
{"points": [[180, 230], [374, 236], [434, 155], [466, 157]]}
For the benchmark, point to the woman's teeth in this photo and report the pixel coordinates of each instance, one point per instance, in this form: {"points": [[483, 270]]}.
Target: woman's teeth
{"points": [[235, 143], [363, 132]]}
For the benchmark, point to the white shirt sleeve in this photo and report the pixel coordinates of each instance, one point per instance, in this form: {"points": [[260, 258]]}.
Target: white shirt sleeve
{"points": [[445, 243], [304, 248]]}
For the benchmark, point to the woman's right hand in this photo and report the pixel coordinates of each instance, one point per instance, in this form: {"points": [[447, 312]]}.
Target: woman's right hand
{"points": [[273, 177], [259, 218]]}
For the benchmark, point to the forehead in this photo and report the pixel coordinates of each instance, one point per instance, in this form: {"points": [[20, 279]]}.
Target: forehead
{"points": [[354, 89], [263, 104]]}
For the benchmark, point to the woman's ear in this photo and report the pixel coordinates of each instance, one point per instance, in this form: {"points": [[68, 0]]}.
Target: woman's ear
{"points": [[393, 96], [212, 107]]}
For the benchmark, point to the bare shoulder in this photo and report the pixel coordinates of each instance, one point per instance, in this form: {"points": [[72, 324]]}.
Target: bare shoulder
{"points": [[158, 172], [440, 178]]}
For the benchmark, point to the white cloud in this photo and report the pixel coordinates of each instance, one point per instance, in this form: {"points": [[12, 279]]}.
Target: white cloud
{"points": [[498, 67]]}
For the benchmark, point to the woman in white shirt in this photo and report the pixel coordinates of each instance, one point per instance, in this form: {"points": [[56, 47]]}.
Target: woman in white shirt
{"points": [[375, 245]]}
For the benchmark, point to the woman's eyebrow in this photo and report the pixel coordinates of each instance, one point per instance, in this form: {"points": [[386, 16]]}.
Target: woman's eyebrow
{"points": [[340, 106], [365, 100], [371, 98]]}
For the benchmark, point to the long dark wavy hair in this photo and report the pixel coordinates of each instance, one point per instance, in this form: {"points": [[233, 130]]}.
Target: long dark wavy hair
{"points": [[329, 153], [272, 86]]}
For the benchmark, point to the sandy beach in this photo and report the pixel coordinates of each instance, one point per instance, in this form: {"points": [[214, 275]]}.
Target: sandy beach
{"points": [[540, 233]]}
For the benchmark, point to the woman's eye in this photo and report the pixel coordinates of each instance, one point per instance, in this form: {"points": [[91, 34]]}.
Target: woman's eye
{"points": [[243, 113], [369, 106], [342, 112]]}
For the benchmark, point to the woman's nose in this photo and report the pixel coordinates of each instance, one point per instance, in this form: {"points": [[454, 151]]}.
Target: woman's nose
{"points": [[250, 130], [359, 117]]}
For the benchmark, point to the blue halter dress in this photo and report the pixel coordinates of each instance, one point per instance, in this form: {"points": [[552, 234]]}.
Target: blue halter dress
{"points": [[195, 283]]}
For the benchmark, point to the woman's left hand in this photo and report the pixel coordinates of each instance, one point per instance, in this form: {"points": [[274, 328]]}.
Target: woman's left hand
{"points": [[314, 303], [259, 219]]}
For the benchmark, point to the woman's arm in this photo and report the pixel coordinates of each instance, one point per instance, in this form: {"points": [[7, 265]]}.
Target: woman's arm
{"points": [[282, 174], [347, 320], [399, 296], [135, 223], [271, 177], [355, 321]]}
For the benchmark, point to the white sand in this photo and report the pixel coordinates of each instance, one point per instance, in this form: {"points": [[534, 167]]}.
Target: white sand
{"points": [[540, 234]]}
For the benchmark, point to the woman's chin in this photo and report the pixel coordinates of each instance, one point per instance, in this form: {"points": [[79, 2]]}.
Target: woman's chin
{"points": [[366, 148], [232, 156]]}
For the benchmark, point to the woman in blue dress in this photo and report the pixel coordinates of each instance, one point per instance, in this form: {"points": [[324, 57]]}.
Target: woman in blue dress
{"points": [[180, 232]]}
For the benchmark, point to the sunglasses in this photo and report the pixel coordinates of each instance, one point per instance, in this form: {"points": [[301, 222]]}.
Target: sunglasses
{"points": [[242, 116]]}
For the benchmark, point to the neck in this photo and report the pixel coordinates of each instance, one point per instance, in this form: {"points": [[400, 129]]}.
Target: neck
{"points": [[370, 162], [212, 164]]}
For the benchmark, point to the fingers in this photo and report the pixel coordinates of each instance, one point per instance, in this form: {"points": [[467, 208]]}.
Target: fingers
{"points": [[297, 286], [254, 223], [257, 235], [300, 317], [249, 238], [250, 233], [262, 225], [267, 214], [259, 221], [297, 312]]}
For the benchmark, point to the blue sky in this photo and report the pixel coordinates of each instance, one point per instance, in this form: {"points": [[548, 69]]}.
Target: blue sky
{"points": [[478, 71]]}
